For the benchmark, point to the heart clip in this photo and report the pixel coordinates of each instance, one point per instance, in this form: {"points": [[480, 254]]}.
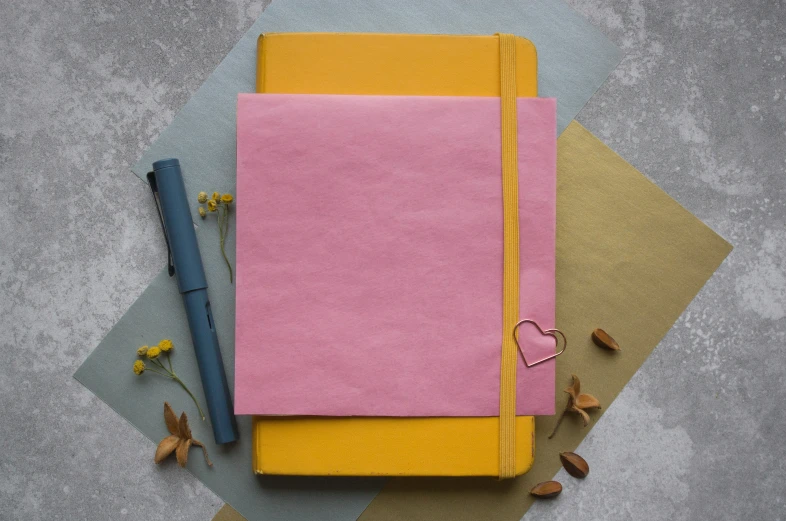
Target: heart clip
{"points": [[550, 332]]}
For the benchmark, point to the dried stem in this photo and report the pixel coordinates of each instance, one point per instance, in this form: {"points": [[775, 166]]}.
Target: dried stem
{"points": [[222, 233], [169, 373], [204, 451], [559, 420], [178, 380]]}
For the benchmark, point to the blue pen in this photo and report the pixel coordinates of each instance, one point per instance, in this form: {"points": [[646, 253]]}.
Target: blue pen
{"points": [[185, 262]]}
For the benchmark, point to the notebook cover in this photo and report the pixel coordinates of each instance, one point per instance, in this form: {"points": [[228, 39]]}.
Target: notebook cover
{"points": [[386, 446], [397, 64], [321, 443]]}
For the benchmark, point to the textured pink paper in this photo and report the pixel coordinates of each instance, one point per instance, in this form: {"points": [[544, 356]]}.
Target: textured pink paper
{"points": [[369, 255]]}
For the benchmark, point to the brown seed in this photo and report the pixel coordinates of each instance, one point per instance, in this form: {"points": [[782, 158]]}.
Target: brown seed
{"points": [[166, 447], [603, 339], [547, 489], [574, 464]]}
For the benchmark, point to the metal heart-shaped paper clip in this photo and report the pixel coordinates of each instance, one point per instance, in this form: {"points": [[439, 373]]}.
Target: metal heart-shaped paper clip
{"points": [[550, 332]]}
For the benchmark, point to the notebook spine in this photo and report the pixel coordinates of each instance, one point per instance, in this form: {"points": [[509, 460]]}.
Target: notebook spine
{"points": [[261, 63]]}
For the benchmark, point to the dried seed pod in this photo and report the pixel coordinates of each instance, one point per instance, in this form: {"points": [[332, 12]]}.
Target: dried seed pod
{"points": [[546, 490], [179, 440], [574, 464], [166, 447], [603, 339]]}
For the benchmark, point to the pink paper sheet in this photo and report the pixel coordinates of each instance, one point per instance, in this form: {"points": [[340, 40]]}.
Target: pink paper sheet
{"points": [[369, 255]]}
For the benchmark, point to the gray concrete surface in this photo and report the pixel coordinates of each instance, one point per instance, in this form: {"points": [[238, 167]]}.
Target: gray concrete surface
{"points": [[698, 104]]}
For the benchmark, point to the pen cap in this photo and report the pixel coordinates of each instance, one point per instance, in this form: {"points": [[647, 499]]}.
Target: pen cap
{"points": [[178, 226]]}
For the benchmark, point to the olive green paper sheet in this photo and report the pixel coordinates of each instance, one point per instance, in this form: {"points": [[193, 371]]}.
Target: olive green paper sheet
{"points": [[629, 259]]}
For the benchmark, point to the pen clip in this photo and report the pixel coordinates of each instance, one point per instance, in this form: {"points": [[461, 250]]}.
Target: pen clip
{"points": [[151, 179]]}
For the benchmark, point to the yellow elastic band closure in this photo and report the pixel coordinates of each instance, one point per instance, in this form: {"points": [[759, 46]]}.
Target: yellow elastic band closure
{"points": [[510, 275]]}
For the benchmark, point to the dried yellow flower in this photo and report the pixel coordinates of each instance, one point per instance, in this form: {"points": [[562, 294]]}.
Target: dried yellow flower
{"points": [[154, 352], [142, 351], [202, 212], [165, 345], [212, 205], [139, 367], [216, 196], [202, 197], [227, 198]]}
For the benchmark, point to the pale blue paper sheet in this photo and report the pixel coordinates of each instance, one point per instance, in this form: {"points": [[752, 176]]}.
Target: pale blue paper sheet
{"points": [[574, 59]]}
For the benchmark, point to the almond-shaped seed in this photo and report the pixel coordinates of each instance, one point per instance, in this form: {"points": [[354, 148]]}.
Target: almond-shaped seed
{"points": [[603, 339], [546, 490], [574, 464], [166, 447]]}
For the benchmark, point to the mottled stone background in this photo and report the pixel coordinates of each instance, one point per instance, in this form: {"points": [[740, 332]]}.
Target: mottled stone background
{"points": [[698, 104]]}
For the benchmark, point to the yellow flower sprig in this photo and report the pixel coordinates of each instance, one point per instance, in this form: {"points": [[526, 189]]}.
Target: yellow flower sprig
{"points": [[153, 354], [218, 204]]}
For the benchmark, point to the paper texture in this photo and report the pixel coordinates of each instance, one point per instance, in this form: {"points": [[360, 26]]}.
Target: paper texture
{"points": [[370, 259], [629, 259], [574, 59], [159, 313]]}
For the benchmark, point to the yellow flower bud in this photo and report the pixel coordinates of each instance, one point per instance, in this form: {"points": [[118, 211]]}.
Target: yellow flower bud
{"points": [[202, 212], [212, 205], [139, 367], [227, 198], [216, 196], [202, 197], [142, 351], [165, 345], [154, 352]]}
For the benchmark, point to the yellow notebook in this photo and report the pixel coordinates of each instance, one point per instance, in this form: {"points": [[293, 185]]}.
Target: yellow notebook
{"points": [[392, 64]]}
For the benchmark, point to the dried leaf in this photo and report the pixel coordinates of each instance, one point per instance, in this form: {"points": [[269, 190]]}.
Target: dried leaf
{"points": [[171, 419], [204, 450], [575, 388], [166, 447], [547, 489], [574, 464], [185, 430], [182, 452], [583, 414], [587, 401], [603, 339]]}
